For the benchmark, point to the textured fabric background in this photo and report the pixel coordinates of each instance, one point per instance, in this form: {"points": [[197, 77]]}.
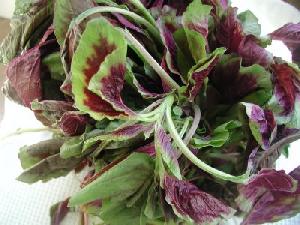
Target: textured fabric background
{"points": [[22, 204]]}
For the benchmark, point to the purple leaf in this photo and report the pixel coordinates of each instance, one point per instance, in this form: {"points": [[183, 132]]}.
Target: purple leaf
{"points": [[200, 72], [148, 149], [144, 91], [191, 203], [111, 87], [265, 180], [59, 212], [170, 44], [262, 124], [285, 90], [236, 83], [24, 72], [170, 155], [230, 34], [229, 31], [296, 175], [132, 130], [127, 24], [289, 34], [73, 123], [271, 196], [252, 53]]}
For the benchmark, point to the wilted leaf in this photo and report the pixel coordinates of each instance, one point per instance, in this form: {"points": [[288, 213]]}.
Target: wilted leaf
{"points": [[48, 168], [49, 112], [30, 20], [30, 155]]}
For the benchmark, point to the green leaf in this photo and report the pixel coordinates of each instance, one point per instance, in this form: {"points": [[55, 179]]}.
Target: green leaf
{"points": [[295, 117], [153, 209], [197, 44], [220, 136], [195, 23], [98, 65], [255, 130], [250, 23], [71, 148], [116, 213], [50, 167], [184, 58], [55, 67], [136, 196], [64, 12], [264, 84], [285, 151], [30, 155], [120, 182]]}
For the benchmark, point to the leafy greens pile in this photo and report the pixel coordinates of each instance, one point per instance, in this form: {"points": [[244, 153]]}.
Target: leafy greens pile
{"points": [[174, 109]]}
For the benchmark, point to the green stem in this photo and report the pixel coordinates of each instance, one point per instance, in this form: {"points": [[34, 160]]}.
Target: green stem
{"points": [[143, 10], [158, 69], [153, 115], [194, 126], [198, 162], [108, 9], [184, 127], [28, 130]]}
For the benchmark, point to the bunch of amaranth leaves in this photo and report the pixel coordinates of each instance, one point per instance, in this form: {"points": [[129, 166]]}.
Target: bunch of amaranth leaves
{"points": [[174, 109]]}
